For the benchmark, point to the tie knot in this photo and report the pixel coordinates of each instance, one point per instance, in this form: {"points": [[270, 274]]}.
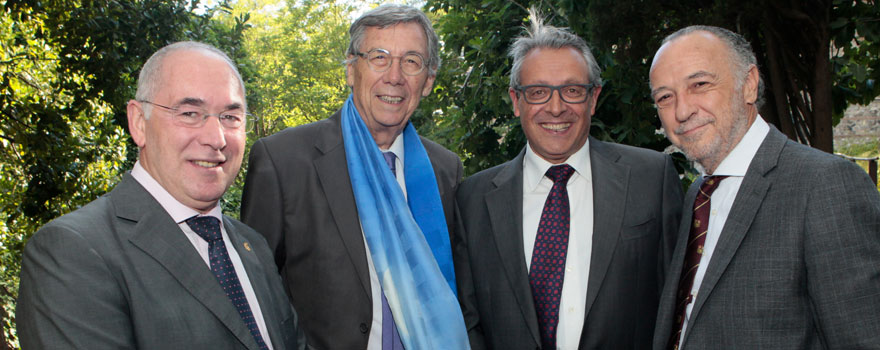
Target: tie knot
{"points": [[207, 227], [711, 184], [559, 173]]}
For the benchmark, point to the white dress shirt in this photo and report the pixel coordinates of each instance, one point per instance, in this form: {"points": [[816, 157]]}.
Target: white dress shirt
{"points": [[179, 213], [374, 342], [734, 166], [536, 187]]}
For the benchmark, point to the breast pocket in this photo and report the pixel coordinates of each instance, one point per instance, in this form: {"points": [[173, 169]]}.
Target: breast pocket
{"points": [[636, 229]]}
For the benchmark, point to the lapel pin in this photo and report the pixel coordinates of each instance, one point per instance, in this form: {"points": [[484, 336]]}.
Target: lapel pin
{"points": [[247, 246]]}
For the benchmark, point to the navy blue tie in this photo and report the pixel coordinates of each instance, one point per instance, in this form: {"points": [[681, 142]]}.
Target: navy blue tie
{"points": [[547, 271], [208, 227], [390, 336]]}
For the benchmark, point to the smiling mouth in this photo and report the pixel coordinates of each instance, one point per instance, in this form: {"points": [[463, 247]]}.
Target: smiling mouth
{"points": [[390, 99], [205, 164], [556, 126]]}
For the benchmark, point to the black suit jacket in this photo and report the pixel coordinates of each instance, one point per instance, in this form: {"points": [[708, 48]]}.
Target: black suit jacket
{"points": [[797, 265], [119, 273], [636, 210], [299, 196]]}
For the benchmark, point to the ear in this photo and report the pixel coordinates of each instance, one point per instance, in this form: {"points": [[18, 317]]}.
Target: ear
{"points": [[514, 100], [594, 99], [137, 122], [750, 85], [349, 71], [429, 85]]}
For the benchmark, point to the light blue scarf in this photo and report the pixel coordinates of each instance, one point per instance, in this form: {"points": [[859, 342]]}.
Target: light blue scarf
{"points": [[409, 244]]}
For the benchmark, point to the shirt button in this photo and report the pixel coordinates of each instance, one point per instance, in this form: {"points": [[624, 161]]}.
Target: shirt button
{"points": [[364, 328]]}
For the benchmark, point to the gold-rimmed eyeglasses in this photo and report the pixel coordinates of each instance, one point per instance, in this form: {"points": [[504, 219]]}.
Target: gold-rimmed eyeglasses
{"points": [[380, 60]]}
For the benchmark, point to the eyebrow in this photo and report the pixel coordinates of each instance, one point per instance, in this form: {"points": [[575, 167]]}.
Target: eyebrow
{"points": [[695, 75], [198, 102], [701, 74]]}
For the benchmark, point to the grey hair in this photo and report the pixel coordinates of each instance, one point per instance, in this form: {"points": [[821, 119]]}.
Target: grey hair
{"points": [[388, 15], [547, 36], [742, 54], [150, 75]]}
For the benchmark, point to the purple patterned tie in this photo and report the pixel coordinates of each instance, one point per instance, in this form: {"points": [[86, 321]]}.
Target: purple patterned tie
{"points": [[390, 336], [693, 254], [208, 227], [548, 258]]}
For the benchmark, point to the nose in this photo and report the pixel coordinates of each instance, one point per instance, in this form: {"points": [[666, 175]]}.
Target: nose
{"points": [[394, 74], [555, 106], [684, 108], [213, 134]]}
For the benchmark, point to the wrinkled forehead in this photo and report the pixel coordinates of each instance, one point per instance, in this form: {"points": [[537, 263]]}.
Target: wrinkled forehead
{"points": [[689, 53]]}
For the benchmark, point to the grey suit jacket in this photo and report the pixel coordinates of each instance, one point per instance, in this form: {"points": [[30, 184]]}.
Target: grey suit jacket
{"points": [[118, 273], [797, 265], [636, 208], [299, 196]]}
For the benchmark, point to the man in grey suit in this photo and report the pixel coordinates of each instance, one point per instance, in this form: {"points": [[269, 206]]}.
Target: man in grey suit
{"points": [[623, 207], [154, 264], [310, 191], [780, 243]]}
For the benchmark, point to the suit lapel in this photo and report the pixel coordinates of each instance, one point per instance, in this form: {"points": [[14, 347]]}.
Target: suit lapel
{"points": [[256, 273], [333, 173], [161, 238], [666, 310], [609, 198], [504, 200], [748, 200]]}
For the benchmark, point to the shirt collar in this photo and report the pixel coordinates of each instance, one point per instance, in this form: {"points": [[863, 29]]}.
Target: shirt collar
{"points": [[737, 162], [534, 167], [178, 211]]}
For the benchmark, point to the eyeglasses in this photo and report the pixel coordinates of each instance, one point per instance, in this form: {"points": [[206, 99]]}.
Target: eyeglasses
{"points": [[195, 117], [380, 60], [539, 93]]}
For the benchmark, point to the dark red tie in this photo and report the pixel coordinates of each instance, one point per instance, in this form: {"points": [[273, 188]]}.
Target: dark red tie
{"points": [[693, 254], [208, 227], [548, 257]]}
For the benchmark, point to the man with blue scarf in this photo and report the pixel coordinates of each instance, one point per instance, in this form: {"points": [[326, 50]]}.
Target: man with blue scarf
{"points": [[357, 207]]}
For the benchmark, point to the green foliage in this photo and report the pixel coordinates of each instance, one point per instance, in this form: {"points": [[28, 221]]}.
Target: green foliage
{"points": [[298, 50], [856, 42]]}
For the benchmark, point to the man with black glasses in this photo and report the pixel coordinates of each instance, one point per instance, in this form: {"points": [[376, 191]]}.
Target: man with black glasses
{"points": [[357, 206], [566, 245]]}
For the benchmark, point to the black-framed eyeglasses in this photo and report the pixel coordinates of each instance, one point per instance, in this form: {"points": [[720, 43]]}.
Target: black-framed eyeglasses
{"points": [[195, 117], [380, 60], [540, 93]]}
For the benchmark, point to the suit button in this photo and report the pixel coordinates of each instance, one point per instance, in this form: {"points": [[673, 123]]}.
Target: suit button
{"points": [[364, 328]]}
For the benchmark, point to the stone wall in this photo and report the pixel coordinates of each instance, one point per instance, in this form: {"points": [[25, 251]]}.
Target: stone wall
{"points": [[860, 124]]}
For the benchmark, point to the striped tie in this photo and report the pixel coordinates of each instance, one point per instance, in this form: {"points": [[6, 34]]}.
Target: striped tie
{"points": [[693, 254]]}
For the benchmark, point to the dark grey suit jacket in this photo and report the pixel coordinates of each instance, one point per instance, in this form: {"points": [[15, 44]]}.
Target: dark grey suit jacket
{"points": [[118, 273], [299, 196], [797, 265], [636, 208]]}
